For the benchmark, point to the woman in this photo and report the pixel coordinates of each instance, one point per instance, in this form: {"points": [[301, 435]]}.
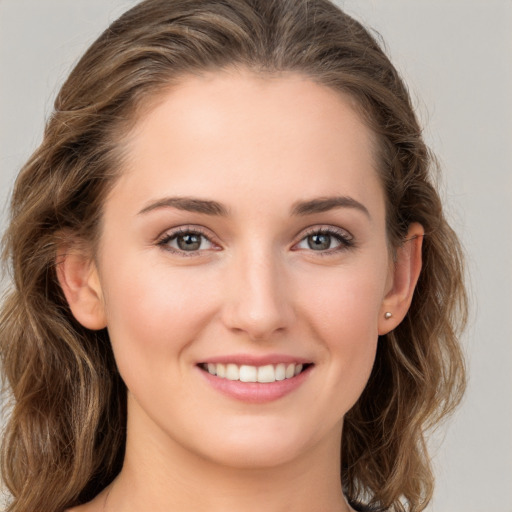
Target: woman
{"points": [[232, 274]]}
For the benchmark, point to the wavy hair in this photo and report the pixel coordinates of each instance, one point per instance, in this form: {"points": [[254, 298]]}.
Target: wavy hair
{"points": [[64, 439]]}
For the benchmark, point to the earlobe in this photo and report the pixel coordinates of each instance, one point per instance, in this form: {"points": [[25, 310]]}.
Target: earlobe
{"points": [[79, 280], [404, 276]]}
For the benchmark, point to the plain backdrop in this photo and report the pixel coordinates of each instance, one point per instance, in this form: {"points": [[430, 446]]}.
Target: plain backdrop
{"points": [[456, 56]]}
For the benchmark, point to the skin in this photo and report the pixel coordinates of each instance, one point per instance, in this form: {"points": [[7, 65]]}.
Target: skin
{"points": [[256, 285]]}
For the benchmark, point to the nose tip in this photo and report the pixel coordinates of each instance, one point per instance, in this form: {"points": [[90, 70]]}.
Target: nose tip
{"points": [[258, 321], [259, 305]]}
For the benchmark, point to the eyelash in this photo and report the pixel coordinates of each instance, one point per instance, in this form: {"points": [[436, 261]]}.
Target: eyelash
{"points": [[345, 240], [164, 241]]}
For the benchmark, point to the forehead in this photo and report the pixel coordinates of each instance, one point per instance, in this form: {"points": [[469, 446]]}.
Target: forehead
{"points": [[275, 136]]}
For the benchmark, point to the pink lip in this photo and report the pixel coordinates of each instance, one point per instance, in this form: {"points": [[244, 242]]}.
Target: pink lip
{"points": [[255, 392], [255, 360]]}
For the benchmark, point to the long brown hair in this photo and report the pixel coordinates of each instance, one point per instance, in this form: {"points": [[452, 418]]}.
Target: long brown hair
{"points": [[65, 436]]}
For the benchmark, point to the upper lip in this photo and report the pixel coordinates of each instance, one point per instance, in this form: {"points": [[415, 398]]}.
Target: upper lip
{"points": [[256, 360]]}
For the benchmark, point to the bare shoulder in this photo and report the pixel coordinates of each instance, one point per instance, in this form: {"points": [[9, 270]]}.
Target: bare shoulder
{"points": [[88, 507], [95, 505]]}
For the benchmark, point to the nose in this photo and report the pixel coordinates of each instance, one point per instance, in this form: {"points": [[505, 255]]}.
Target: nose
{"points": [[259, 297]]}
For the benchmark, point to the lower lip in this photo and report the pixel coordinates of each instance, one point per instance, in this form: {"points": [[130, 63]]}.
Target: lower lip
{"points": [[256, 392]]}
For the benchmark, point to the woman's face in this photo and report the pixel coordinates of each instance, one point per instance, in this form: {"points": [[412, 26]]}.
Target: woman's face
{"points": [[246, 237]]}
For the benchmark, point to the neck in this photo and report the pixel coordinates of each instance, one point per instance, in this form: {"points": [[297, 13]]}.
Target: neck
{"points": [[161, 475]]}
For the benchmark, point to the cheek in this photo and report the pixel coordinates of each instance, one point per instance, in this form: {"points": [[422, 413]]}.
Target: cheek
{"points": [[346, 300], [153, 314], [343, 310]]}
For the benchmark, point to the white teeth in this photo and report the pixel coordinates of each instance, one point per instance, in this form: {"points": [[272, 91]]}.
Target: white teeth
{"points": [[232, 372], [266, 373], [247, 373], [221, 370], [280, 371]]}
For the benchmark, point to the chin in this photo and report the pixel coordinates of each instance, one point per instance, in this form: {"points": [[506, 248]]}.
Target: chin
{"points": [[255, 456], [256, 444]]}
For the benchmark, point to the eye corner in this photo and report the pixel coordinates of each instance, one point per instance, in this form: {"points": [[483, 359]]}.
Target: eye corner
{"points": [[169, 241], [342, 239]]}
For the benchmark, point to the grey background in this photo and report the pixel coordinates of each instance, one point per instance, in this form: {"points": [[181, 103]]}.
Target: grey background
{"points": [[456, 57]]}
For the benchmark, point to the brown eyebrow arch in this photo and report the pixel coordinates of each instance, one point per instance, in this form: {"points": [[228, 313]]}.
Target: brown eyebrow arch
{"points": [[189, 204], [324, 204]]}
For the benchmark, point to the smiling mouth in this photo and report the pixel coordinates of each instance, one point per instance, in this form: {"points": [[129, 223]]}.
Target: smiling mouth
{"points": [[246, 373]]}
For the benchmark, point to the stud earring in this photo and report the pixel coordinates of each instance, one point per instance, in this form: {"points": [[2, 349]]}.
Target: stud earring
{"points": [[388, 315]]}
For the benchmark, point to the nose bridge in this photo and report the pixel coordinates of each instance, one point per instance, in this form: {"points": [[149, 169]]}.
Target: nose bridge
{"points": [[259, 301]]}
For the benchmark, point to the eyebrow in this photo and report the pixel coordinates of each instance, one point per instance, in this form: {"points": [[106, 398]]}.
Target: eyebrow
{"points": [[209, 207], [189, 204], [324, 204]]}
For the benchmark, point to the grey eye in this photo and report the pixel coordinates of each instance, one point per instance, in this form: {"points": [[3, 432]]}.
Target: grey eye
{"points": [[189, 242], [326, 240], [319, 241], [186, 241]]}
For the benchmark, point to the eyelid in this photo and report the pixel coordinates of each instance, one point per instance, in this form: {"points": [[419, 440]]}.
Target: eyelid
{"points": [[326, 228], [172, 233], [346, 238]]}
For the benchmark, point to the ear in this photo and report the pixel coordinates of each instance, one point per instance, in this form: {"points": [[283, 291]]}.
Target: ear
{"points": [[79, 280], [402, 280]]}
